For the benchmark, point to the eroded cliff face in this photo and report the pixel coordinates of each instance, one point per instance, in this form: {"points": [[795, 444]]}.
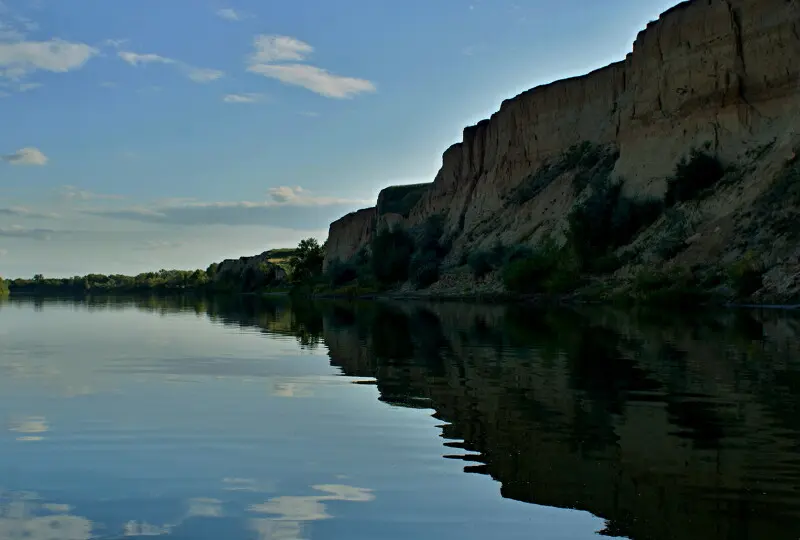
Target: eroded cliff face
{"points": [[716, 72], [349, 234]]}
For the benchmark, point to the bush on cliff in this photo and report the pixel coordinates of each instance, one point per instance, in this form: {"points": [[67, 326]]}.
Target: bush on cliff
{"points": [[340, 273], [746, 276], [548, 268], [391, 255], [677, 287], [590, 160], [424, 269], [484, 262], [605, 221], [693, 173]]}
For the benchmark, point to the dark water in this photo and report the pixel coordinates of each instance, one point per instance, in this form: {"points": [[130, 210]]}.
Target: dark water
{"points": [[235, 418]]}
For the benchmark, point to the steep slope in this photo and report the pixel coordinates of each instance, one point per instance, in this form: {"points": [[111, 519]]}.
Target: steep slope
{"points": [[716, 73]]}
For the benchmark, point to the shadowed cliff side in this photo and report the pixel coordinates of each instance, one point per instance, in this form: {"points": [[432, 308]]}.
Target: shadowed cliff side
{"points": [[713, 74]]}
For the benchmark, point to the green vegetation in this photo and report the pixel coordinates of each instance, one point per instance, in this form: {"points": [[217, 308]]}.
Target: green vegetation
{"points": [[400, 199], [232, 277], [3, 287], [591, 161], [607, 220], [547, 269], [693, 175], [673, 288], [777, 207], [163, 280], [306, 262], [391, 255], [394, 256], [746, 276]]}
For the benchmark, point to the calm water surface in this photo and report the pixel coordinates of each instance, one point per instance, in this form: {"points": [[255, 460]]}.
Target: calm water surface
{"points": [[243, 419]]}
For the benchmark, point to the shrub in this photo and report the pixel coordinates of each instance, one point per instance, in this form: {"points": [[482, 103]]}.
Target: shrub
{"points": [[306, 263], [480, 262], [391, 255], [746, 276], [677, 287], [483, 262], [607, 220], [340, 273], [589, 159], [429, 237], [692, 175], [548, 268], [424, 269]]}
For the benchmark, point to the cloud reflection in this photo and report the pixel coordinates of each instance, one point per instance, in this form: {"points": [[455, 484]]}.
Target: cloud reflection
{"points": [[204, 507], [22, 516], [289, 513], [30, 427]]}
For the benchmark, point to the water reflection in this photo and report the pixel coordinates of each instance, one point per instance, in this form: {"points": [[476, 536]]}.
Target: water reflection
{"points": [[24, 515], [291, 512], [666, 427], [30, 429]]}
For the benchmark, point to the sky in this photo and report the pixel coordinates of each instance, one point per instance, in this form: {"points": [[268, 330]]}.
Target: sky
{"points": [[137, 135]]}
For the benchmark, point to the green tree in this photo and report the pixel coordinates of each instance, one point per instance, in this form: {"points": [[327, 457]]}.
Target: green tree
{"points": [[3, 287], [307, 261]]}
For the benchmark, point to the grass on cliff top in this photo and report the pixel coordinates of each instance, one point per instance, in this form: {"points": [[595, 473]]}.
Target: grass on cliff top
{"points": [[400, 199]]}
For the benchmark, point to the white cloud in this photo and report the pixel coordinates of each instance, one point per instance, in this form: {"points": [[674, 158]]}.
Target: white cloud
{"points": [[196, 74], [26, 156], [271, 50], [135, 59], [229, 14], [74, 193], [315, 79], [279, 49], [203, 75], [115, 43], [155, 245], [292, 207], [19, 59], [19, 211], [283, 194], [242, 98], [27, 87], [17, 231]]}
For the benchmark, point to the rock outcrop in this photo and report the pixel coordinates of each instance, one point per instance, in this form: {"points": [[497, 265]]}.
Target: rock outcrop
{"points": [[259, 266], [349, 234], [721, 73]]}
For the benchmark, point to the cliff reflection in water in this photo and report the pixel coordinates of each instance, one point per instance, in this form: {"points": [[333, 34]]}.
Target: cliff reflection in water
{"points": [[665, 427]]}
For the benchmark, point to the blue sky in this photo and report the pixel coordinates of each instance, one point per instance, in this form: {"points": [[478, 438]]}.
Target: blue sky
{"points": [[147, 134]]}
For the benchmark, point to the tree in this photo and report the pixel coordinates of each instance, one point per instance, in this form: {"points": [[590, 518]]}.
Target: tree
{"points": [[307, 261], [3, 287]]}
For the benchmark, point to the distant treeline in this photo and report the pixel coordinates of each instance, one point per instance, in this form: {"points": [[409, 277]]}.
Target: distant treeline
{"points": [[279, 269], [162, 280]]}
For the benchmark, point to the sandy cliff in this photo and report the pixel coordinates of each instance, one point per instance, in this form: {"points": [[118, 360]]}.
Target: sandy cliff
{"points": [[717, 72]]}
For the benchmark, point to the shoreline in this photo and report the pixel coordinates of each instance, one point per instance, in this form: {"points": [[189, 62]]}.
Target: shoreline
{"points": [[480, 298]]}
